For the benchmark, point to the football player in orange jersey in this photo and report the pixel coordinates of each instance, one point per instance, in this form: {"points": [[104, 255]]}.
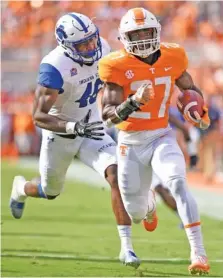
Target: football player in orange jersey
{"points": [[139, 82]]}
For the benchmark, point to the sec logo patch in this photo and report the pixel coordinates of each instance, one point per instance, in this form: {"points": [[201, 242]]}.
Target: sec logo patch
{"points": [[129, 74]]}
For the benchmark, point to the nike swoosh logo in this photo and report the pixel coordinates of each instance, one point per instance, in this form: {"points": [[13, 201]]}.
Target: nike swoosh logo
{"points": [[166, 69]]}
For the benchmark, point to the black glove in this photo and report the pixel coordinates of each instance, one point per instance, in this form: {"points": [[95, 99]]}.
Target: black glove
{"points": [[85, 129], [193, 161]]}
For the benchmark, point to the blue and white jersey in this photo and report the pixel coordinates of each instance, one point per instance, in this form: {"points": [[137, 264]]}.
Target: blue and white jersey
{"points": [[78, 85]]}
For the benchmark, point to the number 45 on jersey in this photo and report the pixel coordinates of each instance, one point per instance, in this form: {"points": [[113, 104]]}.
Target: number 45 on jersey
{"points": [[90, 94]]}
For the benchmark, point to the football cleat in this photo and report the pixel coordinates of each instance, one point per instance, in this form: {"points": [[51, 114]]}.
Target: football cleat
{"points": [[129, 258], [199, 266], [17, 202], [151, 220]]}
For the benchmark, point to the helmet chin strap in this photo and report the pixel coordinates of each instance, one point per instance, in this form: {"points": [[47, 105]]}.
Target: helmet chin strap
{"points": [[83, 62], [140, 53], [152, 58], [87, 60], [147, 51], [143, 55]]}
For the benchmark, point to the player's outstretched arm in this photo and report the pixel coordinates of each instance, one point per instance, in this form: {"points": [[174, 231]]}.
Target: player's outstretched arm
{"points": [[44, 100]]}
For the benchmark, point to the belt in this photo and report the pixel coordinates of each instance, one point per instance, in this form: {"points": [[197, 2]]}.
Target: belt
{"points": [[68, 136]]}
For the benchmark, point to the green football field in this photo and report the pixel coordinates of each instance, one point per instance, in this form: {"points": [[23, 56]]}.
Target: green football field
{"points": [[76, 236]]}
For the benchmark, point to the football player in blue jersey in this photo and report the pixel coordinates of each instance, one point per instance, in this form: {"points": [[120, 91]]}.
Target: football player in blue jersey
{"points": [[65, 108]]}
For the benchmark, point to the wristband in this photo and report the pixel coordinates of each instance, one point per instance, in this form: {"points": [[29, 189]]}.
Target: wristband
{"points": [[70, 127], [126, 108]]}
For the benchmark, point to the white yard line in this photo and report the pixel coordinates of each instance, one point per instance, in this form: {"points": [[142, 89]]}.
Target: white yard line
{"points": [[91, 258], [210, 203]]}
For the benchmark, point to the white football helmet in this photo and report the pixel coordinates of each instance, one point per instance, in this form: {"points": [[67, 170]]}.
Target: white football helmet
{"points": [[138, 19], [73, 29]]}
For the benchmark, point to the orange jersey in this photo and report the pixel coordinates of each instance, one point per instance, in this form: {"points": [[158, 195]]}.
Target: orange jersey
{"points": [[130, 73]]}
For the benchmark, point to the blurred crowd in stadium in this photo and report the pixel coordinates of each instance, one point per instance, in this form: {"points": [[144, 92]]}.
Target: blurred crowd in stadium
{"points": [[28, 34]]}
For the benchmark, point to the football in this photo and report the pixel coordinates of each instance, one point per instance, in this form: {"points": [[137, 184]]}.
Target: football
{"points": [[190, 101]]}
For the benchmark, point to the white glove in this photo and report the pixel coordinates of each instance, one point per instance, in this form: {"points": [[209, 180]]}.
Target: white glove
{"points": [[144, 93]]}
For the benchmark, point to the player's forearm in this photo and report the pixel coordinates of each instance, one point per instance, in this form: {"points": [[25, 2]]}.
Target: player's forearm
{"points": [[116, 114], [49, 122], [109, 113]]}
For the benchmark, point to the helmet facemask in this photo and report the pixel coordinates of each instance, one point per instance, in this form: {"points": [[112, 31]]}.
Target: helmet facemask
{"points": [[142, 42]]}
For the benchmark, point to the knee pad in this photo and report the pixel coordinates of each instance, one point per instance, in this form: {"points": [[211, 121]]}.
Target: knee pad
{"points": [[137, 214], [138, 217], [136, 221]]}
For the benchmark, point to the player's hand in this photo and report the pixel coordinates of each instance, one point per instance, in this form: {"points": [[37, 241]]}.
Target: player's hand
{"points": [[200, 122], [144, 93], [89, 130], [204, 121]]}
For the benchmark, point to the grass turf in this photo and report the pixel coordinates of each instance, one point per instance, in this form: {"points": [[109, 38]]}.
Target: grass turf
{"points": [[78, 230]]}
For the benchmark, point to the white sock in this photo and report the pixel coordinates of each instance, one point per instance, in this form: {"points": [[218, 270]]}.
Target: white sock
{"points": [[195, 238], [125, 233], [188, 211], [21, 191]]}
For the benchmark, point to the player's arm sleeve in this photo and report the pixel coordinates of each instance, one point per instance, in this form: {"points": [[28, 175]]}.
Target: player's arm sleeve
{"points": [[108, 73], [50, 77], [183, 62]]}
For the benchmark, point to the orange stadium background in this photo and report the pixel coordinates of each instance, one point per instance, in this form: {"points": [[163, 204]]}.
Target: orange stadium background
{"points": [[28, 35]]}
